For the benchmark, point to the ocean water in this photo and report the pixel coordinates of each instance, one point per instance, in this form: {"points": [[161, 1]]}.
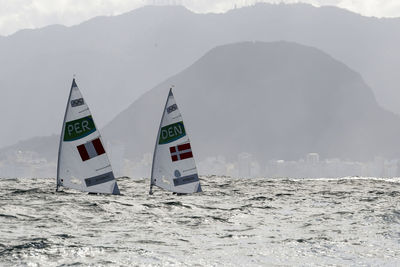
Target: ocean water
{"points": [[235, 222]]}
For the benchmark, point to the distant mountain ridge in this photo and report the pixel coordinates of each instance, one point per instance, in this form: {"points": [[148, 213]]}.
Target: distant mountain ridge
{"points": [[117, 59], [275, 100]]}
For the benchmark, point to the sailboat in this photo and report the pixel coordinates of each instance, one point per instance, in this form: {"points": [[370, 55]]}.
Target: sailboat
{"points": [[83, 163], [174, 168]]}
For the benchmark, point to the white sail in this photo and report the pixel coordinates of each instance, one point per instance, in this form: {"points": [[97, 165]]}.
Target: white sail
{"points": [[82, 160], [174, 168]]}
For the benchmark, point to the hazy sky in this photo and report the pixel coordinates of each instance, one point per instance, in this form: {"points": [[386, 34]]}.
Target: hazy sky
{"points": [[20, 14]]}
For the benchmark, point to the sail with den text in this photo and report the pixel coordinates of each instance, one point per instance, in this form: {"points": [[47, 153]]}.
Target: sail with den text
{"points": [[171, 133]]}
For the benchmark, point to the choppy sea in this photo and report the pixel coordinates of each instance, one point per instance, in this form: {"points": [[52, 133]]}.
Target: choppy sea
{"points": [[235, 222]]}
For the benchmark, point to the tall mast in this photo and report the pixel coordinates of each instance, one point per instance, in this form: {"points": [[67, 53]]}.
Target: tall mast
{"points": [[158, 136], [62, 134]]}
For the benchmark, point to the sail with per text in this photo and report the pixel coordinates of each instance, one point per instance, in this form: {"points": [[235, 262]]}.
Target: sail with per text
{"points": [[82, 160]]}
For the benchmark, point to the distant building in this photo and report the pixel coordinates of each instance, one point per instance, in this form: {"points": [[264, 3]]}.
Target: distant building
{"points": [[378, 167], [312, 158], [116, 153], [213, 166], [244, 164]]}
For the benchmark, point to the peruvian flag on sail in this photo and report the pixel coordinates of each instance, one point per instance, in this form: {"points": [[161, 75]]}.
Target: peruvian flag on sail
{"points": [[180, 152], [91, 149]]}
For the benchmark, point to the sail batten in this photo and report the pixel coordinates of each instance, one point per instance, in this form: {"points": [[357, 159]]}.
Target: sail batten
{"points": [[174, 168], [83, 163]]}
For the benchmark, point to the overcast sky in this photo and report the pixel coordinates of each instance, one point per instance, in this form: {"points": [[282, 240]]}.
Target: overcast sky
{"points": [[20, 14]]}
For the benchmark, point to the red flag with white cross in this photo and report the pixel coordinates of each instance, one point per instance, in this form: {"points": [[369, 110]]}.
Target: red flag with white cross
{"points": [[180, 152]]}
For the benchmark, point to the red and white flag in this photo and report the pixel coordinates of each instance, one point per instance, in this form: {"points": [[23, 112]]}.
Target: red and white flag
{"points": [[180, 152], [91, 149]]}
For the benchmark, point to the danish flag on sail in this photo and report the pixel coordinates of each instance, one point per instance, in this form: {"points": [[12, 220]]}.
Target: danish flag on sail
{"points": [[91, 149], [180, 152]]}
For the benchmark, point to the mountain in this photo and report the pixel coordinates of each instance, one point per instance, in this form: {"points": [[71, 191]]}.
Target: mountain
{"points": [[277, 100], [274, 100], [119, 58]]}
